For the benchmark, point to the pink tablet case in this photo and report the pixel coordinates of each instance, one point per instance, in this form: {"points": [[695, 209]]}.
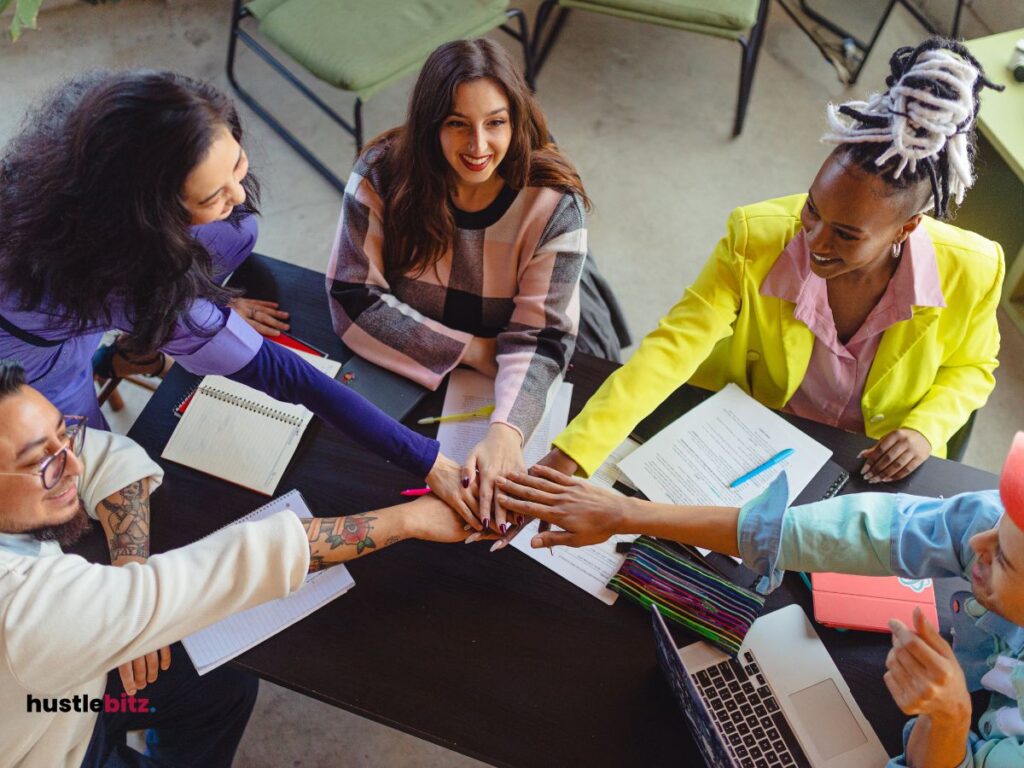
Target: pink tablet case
{"points": [[868, 602]]}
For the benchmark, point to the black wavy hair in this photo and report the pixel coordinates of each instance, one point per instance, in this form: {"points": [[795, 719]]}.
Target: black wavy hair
{"points": [[12, 377], [91, 209]]}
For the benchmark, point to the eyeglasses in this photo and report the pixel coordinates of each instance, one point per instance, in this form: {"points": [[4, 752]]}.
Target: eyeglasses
{"points": [[51, 469]]}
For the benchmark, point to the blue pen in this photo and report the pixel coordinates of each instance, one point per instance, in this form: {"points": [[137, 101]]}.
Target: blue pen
{"points": [[758, 470]]}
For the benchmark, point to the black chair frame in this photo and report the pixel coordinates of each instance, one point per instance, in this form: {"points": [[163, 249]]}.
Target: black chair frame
{"points": [[850, 51], [355, 127], [751, 47]]}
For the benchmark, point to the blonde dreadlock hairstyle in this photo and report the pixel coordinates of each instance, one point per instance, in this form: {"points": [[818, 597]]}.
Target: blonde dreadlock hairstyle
{"points": [[921, 126]]}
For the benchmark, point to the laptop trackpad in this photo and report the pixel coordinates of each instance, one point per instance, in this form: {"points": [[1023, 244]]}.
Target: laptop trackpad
{"points": [[826, 717]]}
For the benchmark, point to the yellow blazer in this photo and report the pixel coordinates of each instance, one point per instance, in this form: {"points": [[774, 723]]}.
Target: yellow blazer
{"points": [[929, 374]]}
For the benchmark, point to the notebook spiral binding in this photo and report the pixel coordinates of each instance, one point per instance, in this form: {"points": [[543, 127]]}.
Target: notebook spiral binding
{"points": [[250, 405]]}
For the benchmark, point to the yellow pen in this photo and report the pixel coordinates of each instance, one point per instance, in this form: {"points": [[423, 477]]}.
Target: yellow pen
{"points": [[479, 413]]}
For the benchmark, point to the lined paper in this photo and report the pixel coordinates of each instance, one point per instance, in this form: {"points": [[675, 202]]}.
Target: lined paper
{"points": [[220, 642]]}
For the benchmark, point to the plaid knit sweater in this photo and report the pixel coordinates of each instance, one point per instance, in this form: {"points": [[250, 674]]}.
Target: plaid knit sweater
{"points": [[513, 273]]}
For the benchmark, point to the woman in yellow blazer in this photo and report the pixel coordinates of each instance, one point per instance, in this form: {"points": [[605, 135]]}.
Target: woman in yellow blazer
{"points": [[902, 152]]}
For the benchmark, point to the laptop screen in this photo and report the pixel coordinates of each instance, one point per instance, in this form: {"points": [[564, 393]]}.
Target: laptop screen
{"points": [[701, 727]]}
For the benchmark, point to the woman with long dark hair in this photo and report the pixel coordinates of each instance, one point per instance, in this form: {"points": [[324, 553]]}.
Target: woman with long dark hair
{"points": [[462, 241], [122, 202]]}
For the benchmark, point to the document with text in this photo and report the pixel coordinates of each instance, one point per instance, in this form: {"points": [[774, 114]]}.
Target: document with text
{"points": [[469, 391], [589, 568], [695, 458]]}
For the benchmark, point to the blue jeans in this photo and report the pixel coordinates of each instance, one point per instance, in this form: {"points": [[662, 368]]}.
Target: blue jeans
{"points": [[196, 721]]}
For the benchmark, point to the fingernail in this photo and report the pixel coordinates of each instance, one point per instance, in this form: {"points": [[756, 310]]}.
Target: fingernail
{"points": [[497, 545], [892, 625], [520, 520], [865, 470], [473, 538], [536, 542], [465, 482], [503, 527], [487, 522]]}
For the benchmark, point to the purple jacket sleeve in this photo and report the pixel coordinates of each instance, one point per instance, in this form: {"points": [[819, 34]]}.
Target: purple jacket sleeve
{"points": [[288, 377]]}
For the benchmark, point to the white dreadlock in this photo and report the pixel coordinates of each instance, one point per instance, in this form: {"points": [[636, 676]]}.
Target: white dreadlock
{"points": [[916, 121]]}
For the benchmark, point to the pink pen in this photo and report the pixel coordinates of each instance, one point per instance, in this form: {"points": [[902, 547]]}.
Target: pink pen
{"points": [[415, 492]]}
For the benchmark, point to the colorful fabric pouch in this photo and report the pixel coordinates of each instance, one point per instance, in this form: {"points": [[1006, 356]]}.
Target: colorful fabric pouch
{"points": [[687, 592]]}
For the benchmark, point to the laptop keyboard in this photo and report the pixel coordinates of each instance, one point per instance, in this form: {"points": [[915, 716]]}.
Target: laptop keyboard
{"points": [[748, 716]]}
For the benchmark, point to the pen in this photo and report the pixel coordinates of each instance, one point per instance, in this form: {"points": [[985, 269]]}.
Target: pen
{"points": [[758, 470], [479, 413], [415, 492]]}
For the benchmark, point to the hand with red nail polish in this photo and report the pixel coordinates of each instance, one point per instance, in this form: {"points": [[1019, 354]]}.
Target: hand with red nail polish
{"points": [[498, 454], [447, 481]]}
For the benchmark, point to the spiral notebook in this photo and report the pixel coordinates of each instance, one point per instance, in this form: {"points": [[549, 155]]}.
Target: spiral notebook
{"points": [[224, 640], [239, 434]]}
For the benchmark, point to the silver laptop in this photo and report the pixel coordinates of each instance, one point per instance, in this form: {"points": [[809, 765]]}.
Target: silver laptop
{"points": [[780, 703]]}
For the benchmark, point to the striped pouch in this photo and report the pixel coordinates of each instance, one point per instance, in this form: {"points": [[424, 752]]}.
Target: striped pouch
{"points": [[687, 592]]}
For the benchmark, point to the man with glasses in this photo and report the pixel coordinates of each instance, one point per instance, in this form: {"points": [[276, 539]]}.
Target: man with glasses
{"points": [[66, 623]]}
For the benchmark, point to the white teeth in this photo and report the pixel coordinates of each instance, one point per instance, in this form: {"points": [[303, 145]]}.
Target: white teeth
{"points": [[821, 259], [476, 160]]}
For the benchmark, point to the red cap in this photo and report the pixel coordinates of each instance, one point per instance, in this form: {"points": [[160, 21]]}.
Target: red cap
{"points": [[1011, 482]]}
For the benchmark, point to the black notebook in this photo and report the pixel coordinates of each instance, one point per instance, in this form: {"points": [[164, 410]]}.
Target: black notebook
{"points": [[393, 394]]}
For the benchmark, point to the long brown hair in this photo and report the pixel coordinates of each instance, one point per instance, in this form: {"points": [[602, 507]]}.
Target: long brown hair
{"points": [[418, 225]]}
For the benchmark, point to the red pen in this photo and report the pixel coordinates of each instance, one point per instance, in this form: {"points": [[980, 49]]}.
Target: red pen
{"points": [[415, 492]]}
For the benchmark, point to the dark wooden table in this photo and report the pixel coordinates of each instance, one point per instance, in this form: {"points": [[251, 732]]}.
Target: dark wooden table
{"points": [[489, 655]]}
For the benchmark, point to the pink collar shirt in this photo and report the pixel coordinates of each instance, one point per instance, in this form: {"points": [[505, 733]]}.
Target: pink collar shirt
{"points": [[831, 389]]}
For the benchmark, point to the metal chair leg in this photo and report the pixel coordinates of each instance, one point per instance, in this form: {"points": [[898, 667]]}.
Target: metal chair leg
{"points": [[355, 130], [541, 45], [748, 64], [523, 36]]}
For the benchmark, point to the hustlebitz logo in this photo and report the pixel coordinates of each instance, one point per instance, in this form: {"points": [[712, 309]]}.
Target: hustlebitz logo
{"points": [[84, 703]]}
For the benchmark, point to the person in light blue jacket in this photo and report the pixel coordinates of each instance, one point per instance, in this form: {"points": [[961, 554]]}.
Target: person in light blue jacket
{"points": [[978, 536]]}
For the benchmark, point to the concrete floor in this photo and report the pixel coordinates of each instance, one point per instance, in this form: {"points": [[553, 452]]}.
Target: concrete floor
{"points": [[644, 112]]}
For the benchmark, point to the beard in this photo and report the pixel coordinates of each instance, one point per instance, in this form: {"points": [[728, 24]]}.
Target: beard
{"points": [[68, 532]]}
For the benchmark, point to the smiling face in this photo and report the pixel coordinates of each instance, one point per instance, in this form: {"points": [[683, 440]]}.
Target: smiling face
{"points": [[997, 577], [851, 220], [476, 135], [31, 430], [214, 186]]}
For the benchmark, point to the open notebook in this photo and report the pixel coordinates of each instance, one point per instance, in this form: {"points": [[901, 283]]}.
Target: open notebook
{"points": [[239, 434], [220, 642]]}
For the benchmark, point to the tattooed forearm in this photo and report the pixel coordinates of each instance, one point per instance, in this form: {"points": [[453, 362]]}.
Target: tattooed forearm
{"points": [[336, 539], [125, 520]]}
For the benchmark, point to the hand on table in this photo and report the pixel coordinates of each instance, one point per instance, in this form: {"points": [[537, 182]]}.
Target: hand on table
{"points": [[895, 456], [136, 674], [923, 675], [498, 454], [446, 481], [264, 316]]}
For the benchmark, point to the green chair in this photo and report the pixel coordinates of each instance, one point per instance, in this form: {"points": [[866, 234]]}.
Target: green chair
{"points": [[739, 20], [360, 47]]}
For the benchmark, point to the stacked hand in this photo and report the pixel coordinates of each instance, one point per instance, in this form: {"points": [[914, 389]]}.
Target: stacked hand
{"points": [[497, 455]]}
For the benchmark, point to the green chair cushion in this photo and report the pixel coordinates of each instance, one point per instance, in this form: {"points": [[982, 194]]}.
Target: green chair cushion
{"points": [[364, 46], [727, 18]]}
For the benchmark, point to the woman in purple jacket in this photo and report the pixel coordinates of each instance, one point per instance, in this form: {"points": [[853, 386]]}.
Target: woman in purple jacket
{"points": [[123, 202]]}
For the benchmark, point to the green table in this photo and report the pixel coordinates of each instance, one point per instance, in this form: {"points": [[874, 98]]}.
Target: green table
{"points": [[995, 207]]}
